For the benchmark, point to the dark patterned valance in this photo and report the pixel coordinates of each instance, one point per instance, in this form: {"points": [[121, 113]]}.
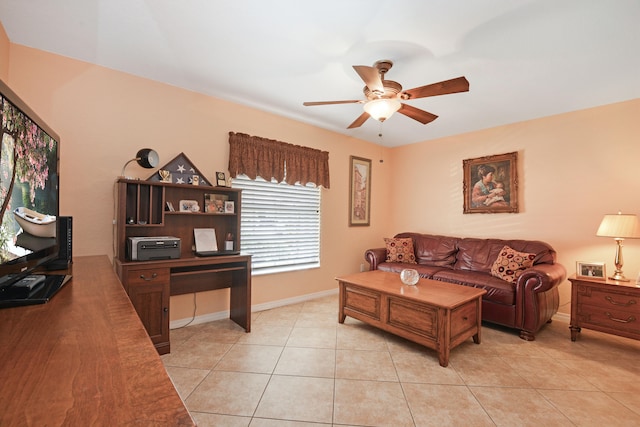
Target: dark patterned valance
{"points": [[255, 156]]}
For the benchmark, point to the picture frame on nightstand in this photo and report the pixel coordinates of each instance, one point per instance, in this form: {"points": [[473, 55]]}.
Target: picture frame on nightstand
{"points": [[591, 270]]}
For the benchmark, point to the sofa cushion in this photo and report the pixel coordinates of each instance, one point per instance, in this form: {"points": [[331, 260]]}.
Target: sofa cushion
{"points": [[477, 254], [400, 250], [437, 251], [510, 264], [480, 254], [426, 271], [498, 290]]}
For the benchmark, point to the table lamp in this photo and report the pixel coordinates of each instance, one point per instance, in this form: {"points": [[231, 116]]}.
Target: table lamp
{"points": [[619, 226]]}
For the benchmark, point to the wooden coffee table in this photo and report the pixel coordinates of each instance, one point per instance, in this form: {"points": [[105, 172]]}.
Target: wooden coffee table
{"points": [[435, 314]]}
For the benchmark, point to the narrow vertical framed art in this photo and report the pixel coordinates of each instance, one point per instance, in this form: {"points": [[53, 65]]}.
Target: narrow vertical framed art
{"points": [[359, 191]]}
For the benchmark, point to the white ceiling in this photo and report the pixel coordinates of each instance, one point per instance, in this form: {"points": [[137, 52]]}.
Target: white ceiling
{"points": [[524, 59]]}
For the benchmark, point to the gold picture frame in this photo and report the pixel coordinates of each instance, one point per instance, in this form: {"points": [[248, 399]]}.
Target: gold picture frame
{"points": [[359, 191], [491, 184]]}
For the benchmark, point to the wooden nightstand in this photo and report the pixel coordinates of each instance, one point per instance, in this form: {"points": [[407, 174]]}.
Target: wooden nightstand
{"points": [[606, 306]]}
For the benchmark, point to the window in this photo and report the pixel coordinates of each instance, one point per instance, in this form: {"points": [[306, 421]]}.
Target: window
{"points": [[280, 224]]}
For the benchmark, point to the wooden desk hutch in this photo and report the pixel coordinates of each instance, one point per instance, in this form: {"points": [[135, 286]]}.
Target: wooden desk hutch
{"points": [[142, 212]]}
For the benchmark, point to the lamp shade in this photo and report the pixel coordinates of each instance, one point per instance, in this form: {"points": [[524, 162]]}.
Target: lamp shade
{"points": [[147, 158], [382, 109], [619, 225]]}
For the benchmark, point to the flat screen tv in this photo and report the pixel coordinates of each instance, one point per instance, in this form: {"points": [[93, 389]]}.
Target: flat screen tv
{"points": [[29, 193]]}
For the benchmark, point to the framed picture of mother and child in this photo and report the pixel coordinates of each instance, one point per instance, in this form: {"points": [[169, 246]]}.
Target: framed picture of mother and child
{"points": [[491, 184]]}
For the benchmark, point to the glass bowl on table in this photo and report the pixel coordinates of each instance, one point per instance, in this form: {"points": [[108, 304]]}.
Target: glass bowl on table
{"points": [[409, 276]]}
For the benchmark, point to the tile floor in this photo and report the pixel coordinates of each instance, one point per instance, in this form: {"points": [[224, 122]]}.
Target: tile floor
{"points": [[300, 367]]}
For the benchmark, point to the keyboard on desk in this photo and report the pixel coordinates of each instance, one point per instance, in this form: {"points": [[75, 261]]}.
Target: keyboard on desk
{"points": [[216, 253]]}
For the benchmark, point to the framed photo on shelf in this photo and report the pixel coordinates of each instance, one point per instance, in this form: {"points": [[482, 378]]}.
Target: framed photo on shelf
{"points": [[591, 270], [359, 191], [189, 206], [221, 180], [229, 206], [490, 184], [215, 203]]}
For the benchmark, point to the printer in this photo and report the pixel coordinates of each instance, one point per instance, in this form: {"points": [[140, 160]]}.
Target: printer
{"points": [[152, 248]]}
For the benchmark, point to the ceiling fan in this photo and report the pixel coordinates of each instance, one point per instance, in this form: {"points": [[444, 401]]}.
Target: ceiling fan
{"points": [[383, 96]]}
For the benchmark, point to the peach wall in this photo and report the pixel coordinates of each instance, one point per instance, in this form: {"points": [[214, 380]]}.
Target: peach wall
{"points": [[573, 168], [4, 54], [104, 116]]}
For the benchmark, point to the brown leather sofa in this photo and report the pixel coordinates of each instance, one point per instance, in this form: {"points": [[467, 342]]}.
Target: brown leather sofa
{"points": [[526, 304]]}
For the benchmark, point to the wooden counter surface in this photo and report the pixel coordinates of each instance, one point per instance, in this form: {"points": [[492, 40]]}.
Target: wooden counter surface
{"points": [[84, 359]]}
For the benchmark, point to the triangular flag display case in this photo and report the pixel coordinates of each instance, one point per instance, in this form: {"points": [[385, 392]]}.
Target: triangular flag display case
{"points": [[180, 170]]}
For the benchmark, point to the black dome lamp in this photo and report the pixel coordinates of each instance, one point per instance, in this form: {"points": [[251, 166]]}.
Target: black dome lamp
{"points": [[146, 157]]}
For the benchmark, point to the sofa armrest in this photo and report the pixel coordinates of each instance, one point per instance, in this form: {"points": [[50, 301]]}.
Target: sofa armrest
{"points": [[537, 297], [375, 256], [541, 278]]}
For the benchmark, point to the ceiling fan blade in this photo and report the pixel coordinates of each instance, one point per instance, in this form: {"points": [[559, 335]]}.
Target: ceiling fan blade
{"points": [[359, 121], [422, 116], [459, 84], [371, 77], [351, 101]]}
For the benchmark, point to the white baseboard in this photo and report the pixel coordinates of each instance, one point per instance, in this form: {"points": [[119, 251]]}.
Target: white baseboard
{"points": [[211, 317], [562, 317]]}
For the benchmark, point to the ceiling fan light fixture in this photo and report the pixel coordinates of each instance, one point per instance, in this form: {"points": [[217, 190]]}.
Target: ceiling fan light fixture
{"points": [[382, 109]]}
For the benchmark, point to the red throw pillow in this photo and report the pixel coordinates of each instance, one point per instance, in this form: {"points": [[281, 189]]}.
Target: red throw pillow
{"points": [[510, 264], [400, 250]]}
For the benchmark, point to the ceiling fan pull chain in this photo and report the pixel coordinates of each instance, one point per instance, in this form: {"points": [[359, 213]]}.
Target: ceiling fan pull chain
{"points": [[381, 141]]}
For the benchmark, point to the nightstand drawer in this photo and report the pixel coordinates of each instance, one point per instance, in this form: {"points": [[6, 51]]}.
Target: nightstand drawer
{"points": [[609, 299], [623, 320]]}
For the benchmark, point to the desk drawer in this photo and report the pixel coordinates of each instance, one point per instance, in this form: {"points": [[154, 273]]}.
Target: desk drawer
{"points": [[147, 276]]}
